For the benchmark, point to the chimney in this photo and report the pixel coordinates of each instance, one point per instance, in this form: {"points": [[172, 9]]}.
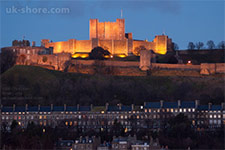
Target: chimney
{"points": [[39, 107], [64, 107], [78, 107], [106, 106], [26, 107], [179, 103], [33, 43], [161, 103], [132, 106], [91, 106], [197, 103], [209, 106], [223, 105], [14, 107], [51, 107], [120, 106]]}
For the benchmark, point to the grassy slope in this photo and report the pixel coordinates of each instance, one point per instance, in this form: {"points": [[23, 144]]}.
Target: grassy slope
{"points": [[38, 85]]}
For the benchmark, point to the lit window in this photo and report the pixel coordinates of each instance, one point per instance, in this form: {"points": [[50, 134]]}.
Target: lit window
{"points": [[66, 123], [219, 116], [19, 117], [180, 110], [171, 109], [40, 117], [3, 117], [137, 117], [210, 116], [149, 110], [214, 116], [193, 109], [145, 110], [175, 110], [158, 110], [167, 109], [184, 109], [19, 112]]}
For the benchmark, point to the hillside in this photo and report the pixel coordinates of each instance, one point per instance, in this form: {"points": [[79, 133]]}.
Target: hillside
{"points": [[34, 85]]}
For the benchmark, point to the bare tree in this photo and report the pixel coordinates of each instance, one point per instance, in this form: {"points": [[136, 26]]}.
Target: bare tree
{"points": [[221, 45], [210, 44], [191, 45], [199, 45], [175, 46]]}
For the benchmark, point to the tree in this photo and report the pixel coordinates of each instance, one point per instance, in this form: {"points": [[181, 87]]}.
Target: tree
{"points": [[138, 49], [175, 46], [191, 45], [15, 43], [98, 53], [44, 59], [221, 45], [7, 59], [210, 44], [199, 45]]}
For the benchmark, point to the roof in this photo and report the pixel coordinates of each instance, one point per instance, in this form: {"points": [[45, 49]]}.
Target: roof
{"points": [[20, 109], [152, 105], [32, 108], [126, 108], [170, 105], [84, 108], [216, 107], [71, 108], [58, 108], [113, 108], [45, 108], [7, 109], [203, 107], [187, 104]]}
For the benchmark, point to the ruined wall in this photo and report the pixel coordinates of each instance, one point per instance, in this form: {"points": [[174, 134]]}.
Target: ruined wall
{"points": [[146, 44], [107, 63], [62, 46], [212, 68]]}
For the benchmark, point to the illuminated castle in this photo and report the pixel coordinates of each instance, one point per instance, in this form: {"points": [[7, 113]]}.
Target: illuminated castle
{"points": [[112, 37]]}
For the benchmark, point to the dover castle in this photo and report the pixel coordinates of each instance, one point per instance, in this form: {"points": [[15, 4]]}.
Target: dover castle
{"points": [[112, 37]]}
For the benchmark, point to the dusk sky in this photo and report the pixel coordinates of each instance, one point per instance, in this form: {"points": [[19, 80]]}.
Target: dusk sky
{"points": [[181, 20]]}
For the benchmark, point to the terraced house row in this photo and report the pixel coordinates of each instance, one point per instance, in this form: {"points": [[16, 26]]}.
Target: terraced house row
{"points": [[151, 115]]}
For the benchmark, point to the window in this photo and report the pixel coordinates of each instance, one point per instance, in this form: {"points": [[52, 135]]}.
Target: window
{"points": [[40, 117], [149, 110], [171, 109], [193, 109], [189, 109], [184, 109], [180, 110], [210, 116], [214, 116]]}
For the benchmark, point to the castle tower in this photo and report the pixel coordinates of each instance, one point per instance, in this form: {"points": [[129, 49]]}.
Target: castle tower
{"points": [[107, 30]]}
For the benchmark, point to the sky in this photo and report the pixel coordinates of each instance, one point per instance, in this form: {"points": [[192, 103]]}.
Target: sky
{"points": [[59, 20]]}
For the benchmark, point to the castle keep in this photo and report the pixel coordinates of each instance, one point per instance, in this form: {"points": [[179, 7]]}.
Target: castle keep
{"points": [[112, 37]]}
